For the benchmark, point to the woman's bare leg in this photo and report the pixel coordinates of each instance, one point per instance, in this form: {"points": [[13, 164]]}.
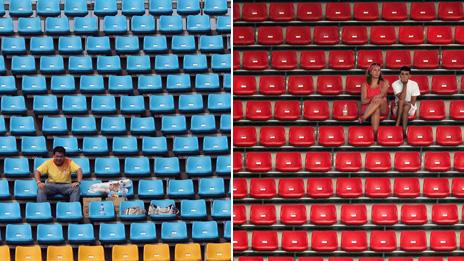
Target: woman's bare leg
{"points": [[375, 121], [373, 106], [383, 107]]}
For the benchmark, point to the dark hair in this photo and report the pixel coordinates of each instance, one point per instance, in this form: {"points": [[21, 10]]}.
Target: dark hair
{"points": [[405, 68], [59, 149], [369, 76]]}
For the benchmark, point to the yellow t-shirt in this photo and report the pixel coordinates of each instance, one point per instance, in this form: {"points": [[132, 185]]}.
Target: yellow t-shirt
{"points": [[59, 174]]}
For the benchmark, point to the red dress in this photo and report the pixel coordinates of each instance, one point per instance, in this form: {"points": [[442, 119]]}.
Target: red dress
{"points": [[371, 93]]}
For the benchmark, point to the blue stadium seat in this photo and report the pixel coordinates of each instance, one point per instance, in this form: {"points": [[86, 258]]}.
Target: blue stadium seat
{"points": [[154, 44], [127, 44], [195, 63], [22, 125], [227, 230], [10, 211], [193, 209], [7, 85], [150, 188], [154, 145], [190, 103], [173, 124], [219, 102], [2, 65], [18, 234], [205, 230], [223, 24], [142, 232], [2, 8], [142, 125], [101, 211], [45, 104], [199, 166], [167, 166], [42, 45], [128, 204], [112, 233], [34, 85], [105, 7], [84, 163], [163, 203], [63, 84], [120, 84], [203, 123], [86, 25], [38, 212], [125, 145], [174, 231], [180, 188], [107, 167], [215, 7], [132, 104], [143, 24], [103, 104], [68, 211], [178, 82], [84, 125], [98, 44], [2, 125], [20, 8], [211, 187], [16, 167], [221, 62], [220, 209], [183, 43], [48, 7], [166, 63], [113, 125], [80, 64], [4, 190], [29, 25], [133, 7], [84, 188], [38, 162], [185, 7], [80, 233], [69, 143], [75, 7], [13, 45], [215, 144], [74, 104], [138, 64], [185, 145], [161, 103], [92, 84], [211, 43], [95, 145], [225, 123], [137, 166], [115, 24], [6, 26], [223, 165], [108, 64], [207, 82], [8, 145], [52, 64], [57, 25], [33, 145], [227, 83], [50, 233], [69, 44], [23, 64], [160, 7], [25, 189], [170, 24], [198, 24]]}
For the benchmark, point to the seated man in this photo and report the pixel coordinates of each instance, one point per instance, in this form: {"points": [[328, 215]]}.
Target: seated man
{"points": [[406, 92], [59, 170]]}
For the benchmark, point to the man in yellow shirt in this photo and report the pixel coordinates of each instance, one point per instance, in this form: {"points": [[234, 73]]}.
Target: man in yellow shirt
{"points": [[59, 170]]}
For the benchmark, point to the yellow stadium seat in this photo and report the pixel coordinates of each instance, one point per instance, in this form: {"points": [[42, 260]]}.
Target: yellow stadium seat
{"points": [[5, 253], [188, 252], [125, 253], [29, 253], [91, 253], [60, 253], [218, 252], [157, 252]]}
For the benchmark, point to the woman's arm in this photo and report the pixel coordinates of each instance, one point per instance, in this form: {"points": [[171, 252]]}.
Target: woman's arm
{"points": [[384, 90]]}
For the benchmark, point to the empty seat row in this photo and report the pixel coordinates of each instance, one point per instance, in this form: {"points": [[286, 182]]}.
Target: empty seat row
{"points": [[347, 187], [350, 35], [311, 258], [361, 11]]}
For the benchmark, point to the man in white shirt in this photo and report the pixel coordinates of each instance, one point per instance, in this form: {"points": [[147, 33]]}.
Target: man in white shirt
{"points": [[406, 92]]}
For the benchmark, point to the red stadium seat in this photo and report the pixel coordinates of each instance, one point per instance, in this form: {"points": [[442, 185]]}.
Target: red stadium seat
{"points": [[301, 136], [391, 79], [288, 161], [349, 188], [338, 11], [272, 85], [437, 161], [390, 135], [250, 258], [304, 258], [353, 214], [300, 85], [241, 241], [239, 214], [309, 11], [413, 240], [298, 35], [436, 188], [354, 241], [384, 214], [383, 35], [331, 136], [291, 188], [254, 12], [322, 214], [258, 161], [455, 258], [238, 110], [420, 135], [262, 214], [319, 187], [443, 240], [341, 59], [318, 161], [423, 11], [394, 11], [281, 11], [316, 110], [240, 188], [444, 84], [459, 34], [238, 162], [348, 161], [457, 186], [366, 11], [324, 240], [262, 188], [326, 35], [449, 135], [430, 258], [395, 59], [411, 35], [270, 35], [272, 136], [378, 161], [237, 60], [423, 82], [340, 259], [367, 57], [353, 83], [262, 240], [244, 35], [280, 258], [450, 11], [378, 187], [293, 214], [456, 110], [295, 240], [407, 161], [439, 35], [255, 60], [360, 136], [284, 60], [356, 35], [445, 214], [406, 187], [312, 60], [432, 110], [459, 161], [258, 110], [287, 110], [244, 136], [383, 241], [452, 59], [426, 59], [345, 110], [244, 85], [237, 12]]}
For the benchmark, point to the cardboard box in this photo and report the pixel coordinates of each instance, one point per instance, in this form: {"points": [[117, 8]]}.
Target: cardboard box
{"points": [[86, 202]]}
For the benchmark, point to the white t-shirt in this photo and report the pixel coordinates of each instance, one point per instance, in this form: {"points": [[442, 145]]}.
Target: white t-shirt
{"points": [[412, 89]]}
